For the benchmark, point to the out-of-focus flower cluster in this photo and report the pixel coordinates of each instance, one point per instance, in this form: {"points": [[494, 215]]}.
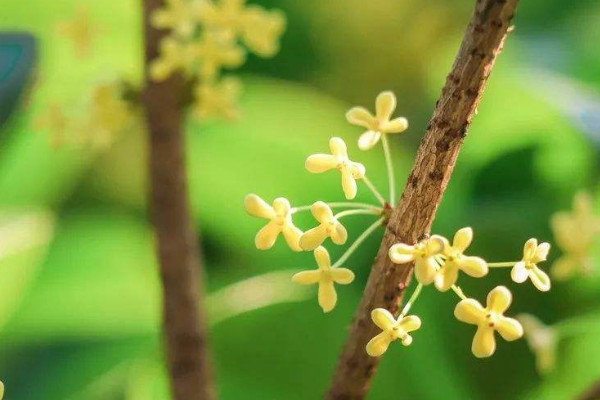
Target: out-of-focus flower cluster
{"points": [[206, 37]]}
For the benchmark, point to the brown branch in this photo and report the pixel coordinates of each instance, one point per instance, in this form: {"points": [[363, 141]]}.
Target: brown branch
{"points": [[184, 322], [411, 220], [591, 393]]}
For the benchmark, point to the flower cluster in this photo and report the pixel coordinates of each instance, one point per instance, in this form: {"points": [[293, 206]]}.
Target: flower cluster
{"points": [[436, 260], [80, 31], [207, 36]]}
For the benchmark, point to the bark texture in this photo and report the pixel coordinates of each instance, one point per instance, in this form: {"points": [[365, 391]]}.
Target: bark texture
{"points": [[411, 220], [184, 321]]}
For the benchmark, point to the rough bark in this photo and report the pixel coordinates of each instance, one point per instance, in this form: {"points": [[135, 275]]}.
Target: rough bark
{"points": [[591, 393], [411, 220], [184, 321]]}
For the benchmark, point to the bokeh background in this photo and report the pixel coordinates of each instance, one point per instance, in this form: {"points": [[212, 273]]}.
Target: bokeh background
{"points": [[79, 292]]}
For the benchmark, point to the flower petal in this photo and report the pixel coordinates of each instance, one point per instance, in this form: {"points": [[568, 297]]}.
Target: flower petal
{"points": [[401, 253], [322, 212], [462, 239], [360, 116], [446, 277], [313, 238], [541, 253], [436, 244], [410, 323], [378, 345], [484, 343], [322, 256], [473, 266], [307, 277], [339, 234], [343, 276], [292, 236], [282, 205], [348, 184], [327, 295], [407, 340], [425, 269], [397, 125], [357, 170], [385, 104], [266, 237], [383, 319], [509, 328], [540, 279], [338, 147], [499, 299], [257, 207], [469, 311], [529, 249], [368, 139], [519, 272], [318, 163]]}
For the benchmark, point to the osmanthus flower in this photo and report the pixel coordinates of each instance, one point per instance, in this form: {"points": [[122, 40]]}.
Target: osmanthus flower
{"points": [[489, 319], [527, 267], [542, 340], [181, 16], [423, 254], [326, 276], [217, 51], [338, 159], [218, 99], [109, 114], [392, 329], [456, 260], [329, 226], [280, 221], [174, 56], [79, 30], [378, 124], [574, 233]]}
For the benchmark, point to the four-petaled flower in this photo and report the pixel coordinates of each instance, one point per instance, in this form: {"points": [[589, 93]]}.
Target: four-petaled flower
{"points": [[215, 52], [423, 254], [174, 56], [280, 217], [329, 226], [527, 268], [181, 16], [456, 260], [393, 329], [489, 320], [218, 99], [542, 340], [378, 124], [109, 115], [325, 276], [338, 159]]}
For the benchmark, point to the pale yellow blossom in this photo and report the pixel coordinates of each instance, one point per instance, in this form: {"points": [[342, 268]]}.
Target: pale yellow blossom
{"points": [[280, 221], [329, 226], [542, 340], [109, 114], [392, 329], [423, 254], [80, 31], [489, 320], [456, 260], [174, 56], [325, 276], [1, 390], [527, 267], [218, 99], [338, 159], [378, 124], [216, 52], [181, 16]]}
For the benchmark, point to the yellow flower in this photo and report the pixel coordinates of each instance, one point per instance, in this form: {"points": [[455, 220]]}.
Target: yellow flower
{"points": [[79, 30], [109, 114], [423, 254], [574, 233], [378, 124], [54, 120], [325, 276], [1, 390], [456, 260], [174, 56], [280, 221], [329, 226], [392, 330], [489, 320], [216, 51], [542, 341], [527, 268], [182, 16], [218, 99], [338, 159]]}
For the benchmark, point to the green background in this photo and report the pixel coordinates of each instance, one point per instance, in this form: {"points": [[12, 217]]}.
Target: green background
{"points": [[80, 316]]}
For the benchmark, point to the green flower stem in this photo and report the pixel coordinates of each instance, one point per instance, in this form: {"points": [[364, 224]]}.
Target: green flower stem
{"points": [[411, 301], [338, 205], [374, 190], [358, 242], [502, 264], [390, 168], [358, 212], [459, 292]]}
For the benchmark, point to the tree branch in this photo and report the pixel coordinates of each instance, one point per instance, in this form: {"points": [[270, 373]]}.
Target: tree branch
{"points": [[184, 322], [411, 220], [591, 393]]}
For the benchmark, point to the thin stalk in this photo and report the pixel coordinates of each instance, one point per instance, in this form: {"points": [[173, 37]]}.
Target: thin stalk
{"points": [[358, 242], [390, 168], [338, 205], [357, 212], [411, 301], [374, 190], [502, 264], [459, 292]]}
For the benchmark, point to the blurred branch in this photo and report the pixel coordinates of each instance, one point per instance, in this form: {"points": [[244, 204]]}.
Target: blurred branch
{"points": [[411, 220], [591, 393], [180, 264]]}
